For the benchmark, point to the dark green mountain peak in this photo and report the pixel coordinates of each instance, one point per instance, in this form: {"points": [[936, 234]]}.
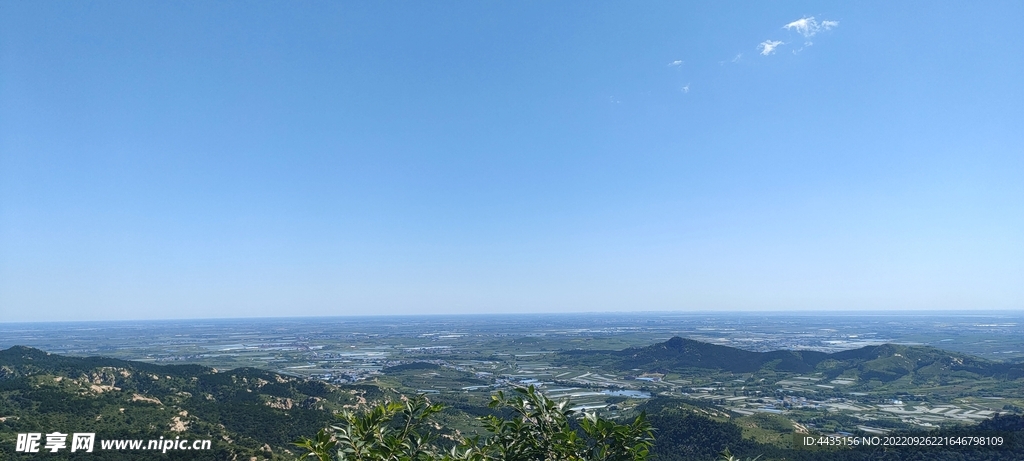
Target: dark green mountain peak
{"points": [[885, 362]]}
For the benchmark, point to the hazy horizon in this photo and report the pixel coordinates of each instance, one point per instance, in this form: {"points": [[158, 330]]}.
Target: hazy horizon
{"points": [[1012, 313], [217, 160]]}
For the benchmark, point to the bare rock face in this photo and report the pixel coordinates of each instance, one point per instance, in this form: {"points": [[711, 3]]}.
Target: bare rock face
{"points": [[281, 403], [177, 425], [142, 398]]}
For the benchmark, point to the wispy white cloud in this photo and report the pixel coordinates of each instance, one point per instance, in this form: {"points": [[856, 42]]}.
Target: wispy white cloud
{"points": [[768, 46], [803, 26], [806, 45], [675, 63], [808, 26], [733, 60]]}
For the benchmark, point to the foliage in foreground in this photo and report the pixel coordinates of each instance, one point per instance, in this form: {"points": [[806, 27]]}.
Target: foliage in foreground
{"points": [[539, 429], [727, 455]]}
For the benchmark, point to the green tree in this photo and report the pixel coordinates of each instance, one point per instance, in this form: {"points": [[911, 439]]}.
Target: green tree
{"points": [[539, 429], [391, 431], [727, 455]]}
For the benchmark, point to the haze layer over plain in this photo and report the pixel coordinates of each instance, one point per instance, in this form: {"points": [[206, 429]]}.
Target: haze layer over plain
{"points": [[221, 160]]}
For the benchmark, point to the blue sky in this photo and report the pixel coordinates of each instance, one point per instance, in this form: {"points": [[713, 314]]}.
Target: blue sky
{"points": [[227, 159]]}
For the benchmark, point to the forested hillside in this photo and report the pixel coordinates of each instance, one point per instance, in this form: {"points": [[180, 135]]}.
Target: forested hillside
{"points": [[245, 412], [885, 362]]}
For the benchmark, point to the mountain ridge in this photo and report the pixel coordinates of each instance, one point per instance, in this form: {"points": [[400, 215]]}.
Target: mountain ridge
{"points": [[885, 362], [247, 412]]}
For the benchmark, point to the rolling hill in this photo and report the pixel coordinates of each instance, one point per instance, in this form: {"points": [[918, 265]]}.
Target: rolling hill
{"points": [[885, 363], [246, 412]]}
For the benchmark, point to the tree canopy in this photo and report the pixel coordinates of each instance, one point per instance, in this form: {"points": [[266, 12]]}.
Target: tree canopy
{"points": [[539, 429]]}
